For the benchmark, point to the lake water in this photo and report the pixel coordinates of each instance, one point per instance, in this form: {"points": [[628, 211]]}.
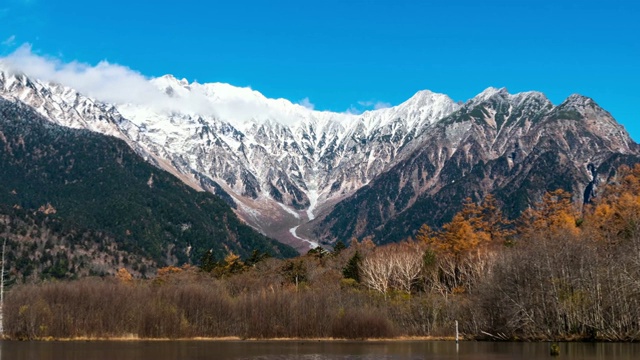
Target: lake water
{"points": [[311, 350]]}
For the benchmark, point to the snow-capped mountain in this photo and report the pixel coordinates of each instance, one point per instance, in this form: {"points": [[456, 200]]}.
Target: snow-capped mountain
{"points": [[516, 147], [297, 174], [60, 104], [280, 162]]}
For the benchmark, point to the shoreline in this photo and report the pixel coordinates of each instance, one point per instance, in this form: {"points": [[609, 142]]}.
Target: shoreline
{"points": [[135, 338]]}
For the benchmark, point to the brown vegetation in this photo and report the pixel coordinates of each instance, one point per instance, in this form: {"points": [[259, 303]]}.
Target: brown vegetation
{"points": [[558, 272]]}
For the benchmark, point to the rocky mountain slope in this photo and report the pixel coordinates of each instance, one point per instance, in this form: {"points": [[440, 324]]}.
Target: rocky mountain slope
{"points": [[305, 176], [513, 146], [280, 163], [86, 202]]}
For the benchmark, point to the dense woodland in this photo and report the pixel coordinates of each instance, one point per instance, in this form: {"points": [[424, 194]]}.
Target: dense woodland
{"points": [[73, 203], [557, 272]]}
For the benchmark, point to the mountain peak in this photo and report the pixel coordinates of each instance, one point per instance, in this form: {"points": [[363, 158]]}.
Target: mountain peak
{"points": [[515, 99], [487, 94], [528, 96], [424, 107], [172, 79], [425, 97], [423, 94], [492, 91], [285, 162], [171, 86], [578, 100]]}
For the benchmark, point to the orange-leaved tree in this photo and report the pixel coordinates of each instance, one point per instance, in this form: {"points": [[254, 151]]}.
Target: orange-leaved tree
{"points": [[615, 215], [554, 216], [462, 247]]}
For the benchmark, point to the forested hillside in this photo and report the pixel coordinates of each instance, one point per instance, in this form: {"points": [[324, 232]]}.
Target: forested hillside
{"points": [[559, 272], [77, 202]]}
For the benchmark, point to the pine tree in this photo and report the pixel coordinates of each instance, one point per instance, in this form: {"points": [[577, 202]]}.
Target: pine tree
{"points": [[352, 270], [338, 247], [207, 262]]}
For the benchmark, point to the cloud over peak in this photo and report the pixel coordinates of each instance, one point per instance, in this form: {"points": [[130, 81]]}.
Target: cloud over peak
{"points": [[106, 82], [306, 103], [122, 86], [362, 106]]}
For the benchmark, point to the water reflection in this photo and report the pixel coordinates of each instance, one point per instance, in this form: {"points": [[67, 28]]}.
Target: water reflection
{"points": [[309, 350]]}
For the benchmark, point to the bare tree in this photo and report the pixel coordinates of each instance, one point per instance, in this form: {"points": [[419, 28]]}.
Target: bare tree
{"points": [[395, 266], [406, 260], [377, 270]]}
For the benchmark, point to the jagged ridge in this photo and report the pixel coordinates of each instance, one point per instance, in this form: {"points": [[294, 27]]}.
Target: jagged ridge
{"points": [[85, 182], [282, 165], [513, 146]]}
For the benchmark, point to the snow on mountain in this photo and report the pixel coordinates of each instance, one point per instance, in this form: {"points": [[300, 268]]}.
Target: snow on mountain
{"points": [[515, 147], [282, 163], [60, 104], [274, 152]]}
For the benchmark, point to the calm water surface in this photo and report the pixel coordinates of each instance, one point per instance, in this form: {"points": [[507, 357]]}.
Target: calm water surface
{"points": [[312, 350]]}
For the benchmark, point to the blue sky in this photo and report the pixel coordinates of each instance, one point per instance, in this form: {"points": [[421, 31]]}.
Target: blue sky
{"points": [[352, 54]]}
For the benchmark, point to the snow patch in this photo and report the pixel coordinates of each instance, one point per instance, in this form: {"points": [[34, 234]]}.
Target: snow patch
{"points": [[312, 244], [312, 194], [290, 211], [248, 211]]}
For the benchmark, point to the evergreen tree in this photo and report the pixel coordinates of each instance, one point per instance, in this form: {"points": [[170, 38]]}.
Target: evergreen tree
{"points": [[207, 262], [256, 257], [338, 247], [352, 270]]}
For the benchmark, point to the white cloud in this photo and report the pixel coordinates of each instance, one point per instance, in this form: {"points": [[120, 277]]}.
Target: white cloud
{"points": [[97, 81], [306, 103], [120, 85], [381, 105], [353, 110], [10, 41], [106, 82], [365, 105]]}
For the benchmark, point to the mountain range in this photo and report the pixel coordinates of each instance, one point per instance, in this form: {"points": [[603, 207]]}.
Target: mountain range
{"points": [[307, 177], [75, 202]]}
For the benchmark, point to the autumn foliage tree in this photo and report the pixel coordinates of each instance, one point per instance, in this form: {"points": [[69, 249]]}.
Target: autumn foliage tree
{"points": [[557, 272], [555, 214], [463, 247], [615, 214], [124, 276]]}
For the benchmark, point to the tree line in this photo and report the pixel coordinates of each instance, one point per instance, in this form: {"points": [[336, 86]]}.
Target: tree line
{"points": [[558, 272]]}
